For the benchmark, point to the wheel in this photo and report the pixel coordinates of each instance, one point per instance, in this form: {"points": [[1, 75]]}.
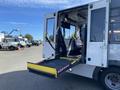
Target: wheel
{"points": [[0, 47], [19, 45], [110, 78], [28, 46], [12, 48]]}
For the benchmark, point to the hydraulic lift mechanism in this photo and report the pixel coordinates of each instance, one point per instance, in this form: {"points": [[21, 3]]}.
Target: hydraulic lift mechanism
{"points": [[85, 41]]}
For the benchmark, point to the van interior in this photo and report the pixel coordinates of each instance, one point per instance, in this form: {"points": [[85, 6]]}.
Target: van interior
{"points": [[71, 38]]}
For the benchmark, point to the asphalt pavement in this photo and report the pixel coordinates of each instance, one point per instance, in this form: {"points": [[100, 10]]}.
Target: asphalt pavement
{"points": [[23, 80], [15, 76]]}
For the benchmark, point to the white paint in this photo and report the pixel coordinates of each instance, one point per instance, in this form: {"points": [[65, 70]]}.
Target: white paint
{"points": [[48, 51], [97, 51], [114, 52], [83, 70]]}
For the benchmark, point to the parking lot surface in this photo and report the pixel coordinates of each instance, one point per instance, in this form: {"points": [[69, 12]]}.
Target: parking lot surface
{"points": [[14, 75], [16, 60]]}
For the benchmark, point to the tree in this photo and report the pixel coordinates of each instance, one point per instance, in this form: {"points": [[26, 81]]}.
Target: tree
{"points": [[29, 37], [21, 35]]}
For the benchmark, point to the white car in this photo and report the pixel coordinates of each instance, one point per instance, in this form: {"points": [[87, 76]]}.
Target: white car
{"points": [[22, 43], [9, 44]]}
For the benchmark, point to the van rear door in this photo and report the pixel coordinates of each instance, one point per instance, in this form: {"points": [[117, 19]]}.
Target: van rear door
{"points": [[97, 41], [49, 36]]}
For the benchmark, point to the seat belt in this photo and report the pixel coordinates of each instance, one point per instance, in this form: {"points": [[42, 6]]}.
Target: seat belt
{"points": [[71, 41], [49, 42]]}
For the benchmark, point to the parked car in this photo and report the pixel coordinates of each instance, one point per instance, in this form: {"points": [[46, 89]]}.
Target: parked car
{"points": [[9, 44], [28, 44], [21, 43], [35, 43]]}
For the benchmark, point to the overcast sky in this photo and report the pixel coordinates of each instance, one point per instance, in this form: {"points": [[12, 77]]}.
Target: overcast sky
{"points": [[28, 15]]}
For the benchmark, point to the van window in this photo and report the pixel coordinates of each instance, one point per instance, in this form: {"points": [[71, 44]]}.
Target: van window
{"points": [[69, 32], [97, 25], [114, 32], [50, 28], [115, 3]]}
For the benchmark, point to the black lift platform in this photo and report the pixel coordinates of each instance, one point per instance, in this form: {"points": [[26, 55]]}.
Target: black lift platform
{"points": [[52, 67]]}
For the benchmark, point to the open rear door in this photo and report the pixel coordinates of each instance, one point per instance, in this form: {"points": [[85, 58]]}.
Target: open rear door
{"points": [[98, 22], [49, 34]]}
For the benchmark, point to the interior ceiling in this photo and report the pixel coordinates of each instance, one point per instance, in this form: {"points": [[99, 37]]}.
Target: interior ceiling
{"points": [[78, 16]]}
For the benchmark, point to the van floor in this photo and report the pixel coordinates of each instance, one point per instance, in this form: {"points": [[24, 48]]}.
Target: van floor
{"points": [[72, 58]]}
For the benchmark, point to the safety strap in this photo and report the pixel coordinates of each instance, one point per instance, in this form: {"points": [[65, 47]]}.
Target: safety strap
{"points": [[49, 42]]}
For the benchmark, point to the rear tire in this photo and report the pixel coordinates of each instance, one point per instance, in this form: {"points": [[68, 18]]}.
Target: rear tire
{"points": [[12, 48], [110, 78], [28, 46], [0, 47]]}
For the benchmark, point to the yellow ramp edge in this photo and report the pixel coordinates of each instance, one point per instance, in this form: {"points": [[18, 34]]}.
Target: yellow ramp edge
{"points": [[43, 69]]}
